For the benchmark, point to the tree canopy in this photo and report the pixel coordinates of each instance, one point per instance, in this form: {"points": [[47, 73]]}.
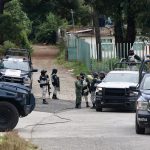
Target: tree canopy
{"points": [[38, 20]]}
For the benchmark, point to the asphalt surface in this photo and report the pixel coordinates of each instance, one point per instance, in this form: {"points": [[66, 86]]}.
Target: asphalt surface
{"points": [[59, 126]]}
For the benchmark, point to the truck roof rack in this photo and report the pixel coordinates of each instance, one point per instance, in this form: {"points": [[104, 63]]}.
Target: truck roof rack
{"points": [[125, 65], [12, 52]]}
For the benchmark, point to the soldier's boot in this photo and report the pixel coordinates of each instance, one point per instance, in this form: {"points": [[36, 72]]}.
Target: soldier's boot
{"points": [[93, 107], [44, 101], [54, 96], [77, 105], [87, 104]]}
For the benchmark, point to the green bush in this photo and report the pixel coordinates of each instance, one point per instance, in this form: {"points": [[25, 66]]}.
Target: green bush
{"points": [[105, 65], [24, 41], [15, 25], [6, 45], [46, 32]]}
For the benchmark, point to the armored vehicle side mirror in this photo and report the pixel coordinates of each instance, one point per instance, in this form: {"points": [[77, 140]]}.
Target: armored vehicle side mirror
{"points": [[133, 88]]}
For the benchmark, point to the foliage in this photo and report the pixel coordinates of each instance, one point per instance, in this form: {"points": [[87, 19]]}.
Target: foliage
{"points": [[12, 141], [15, 25], [83, 16], [24, 42], [105, 65], [7, 45], [13, 8], [47, 31]]}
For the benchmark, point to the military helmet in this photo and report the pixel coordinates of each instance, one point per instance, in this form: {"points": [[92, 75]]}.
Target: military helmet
{"points": [[95, 74], [131, 52], [82, 75], [54, 71], [43, 71]]}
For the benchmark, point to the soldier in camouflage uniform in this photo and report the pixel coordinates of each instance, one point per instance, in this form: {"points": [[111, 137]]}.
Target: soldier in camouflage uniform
{"points": [[78, 90], [86, 88]]}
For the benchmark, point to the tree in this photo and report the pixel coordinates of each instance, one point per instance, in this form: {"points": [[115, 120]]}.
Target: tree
{"points": [[96, 5], [13, 23], [47, 31]]}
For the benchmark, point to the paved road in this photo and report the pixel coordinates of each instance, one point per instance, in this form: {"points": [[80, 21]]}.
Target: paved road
{"points": [[58, 126]]}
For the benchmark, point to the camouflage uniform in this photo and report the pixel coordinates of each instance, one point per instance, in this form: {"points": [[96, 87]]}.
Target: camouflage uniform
{"points": [[44, 80], [78, 90]]}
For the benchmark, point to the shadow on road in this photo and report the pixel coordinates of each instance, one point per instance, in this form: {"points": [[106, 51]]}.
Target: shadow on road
{"points": [[53, 106]]}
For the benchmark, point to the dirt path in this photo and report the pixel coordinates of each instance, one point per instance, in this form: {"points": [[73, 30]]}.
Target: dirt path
{"points": [[44, 58]]}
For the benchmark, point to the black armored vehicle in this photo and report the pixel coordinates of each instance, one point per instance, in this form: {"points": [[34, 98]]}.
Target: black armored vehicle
{"points": [[15, 101], [143, 101]]}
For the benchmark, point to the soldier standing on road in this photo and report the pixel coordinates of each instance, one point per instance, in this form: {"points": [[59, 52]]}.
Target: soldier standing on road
{"points": [[94, 83], [86, 88], [78, 90], [44, 81], [55, 83]]}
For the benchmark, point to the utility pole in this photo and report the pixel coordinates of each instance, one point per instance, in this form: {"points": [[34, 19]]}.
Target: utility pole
{"points": [[72, 15]]}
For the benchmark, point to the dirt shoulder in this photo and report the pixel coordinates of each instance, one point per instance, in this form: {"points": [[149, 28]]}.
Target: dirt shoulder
{"points": [[44, 58]]}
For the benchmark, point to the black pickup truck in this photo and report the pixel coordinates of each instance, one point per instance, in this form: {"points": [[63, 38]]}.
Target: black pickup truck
{"points": [[142, 120], [16, 101]]}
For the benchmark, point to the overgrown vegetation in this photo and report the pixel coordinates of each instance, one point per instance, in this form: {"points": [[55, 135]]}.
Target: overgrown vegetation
{"points": [[12, 141], [15, 26], [6, 45], [106, 65]]}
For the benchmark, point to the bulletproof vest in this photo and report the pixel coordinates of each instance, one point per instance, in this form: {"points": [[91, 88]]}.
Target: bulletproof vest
{"points": [[43, 79]]}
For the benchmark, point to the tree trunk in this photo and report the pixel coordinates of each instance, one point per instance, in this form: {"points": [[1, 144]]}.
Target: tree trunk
{"points": [[1, 6], [1, 12], [119, 34], [131, 27], [97, 35]]}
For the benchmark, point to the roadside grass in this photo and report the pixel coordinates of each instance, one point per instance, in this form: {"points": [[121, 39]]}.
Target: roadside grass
{"points": [[105, 65], [12, 141]]}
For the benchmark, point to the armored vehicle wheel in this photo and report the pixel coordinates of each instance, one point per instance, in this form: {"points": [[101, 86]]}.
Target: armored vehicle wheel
{"points": [[139, 130], [9, 116], [99, 109]]}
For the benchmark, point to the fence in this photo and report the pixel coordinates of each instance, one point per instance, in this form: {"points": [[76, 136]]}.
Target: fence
{"points": [[78, 50], [81, 50]]}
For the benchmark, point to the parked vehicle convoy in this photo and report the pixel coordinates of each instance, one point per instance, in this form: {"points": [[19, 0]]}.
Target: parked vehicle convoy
{"points": [[16, 101], [17, 70]]}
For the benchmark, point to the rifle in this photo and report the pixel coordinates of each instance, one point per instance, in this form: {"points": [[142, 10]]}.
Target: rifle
{"points": [[49, 92], [58, 84]]}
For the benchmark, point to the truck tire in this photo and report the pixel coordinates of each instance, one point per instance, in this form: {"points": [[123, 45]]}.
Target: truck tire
{"points": [[139, 130], [9, 116], [99, 109]]}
